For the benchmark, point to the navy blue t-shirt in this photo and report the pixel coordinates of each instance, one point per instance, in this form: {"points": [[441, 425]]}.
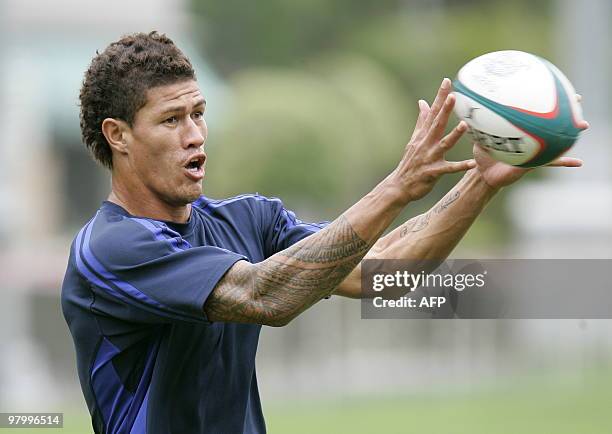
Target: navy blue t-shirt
{"points": [[148, 359]]}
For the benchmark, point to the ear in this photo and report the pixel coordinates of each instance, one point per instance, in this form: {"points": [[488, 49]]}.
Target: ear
{"points": [[116, 132]]}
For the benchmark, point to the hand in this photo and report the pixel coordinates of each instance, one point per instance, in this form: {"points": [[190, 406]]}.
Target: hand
{"points": [[497, 174], [423, 160]]}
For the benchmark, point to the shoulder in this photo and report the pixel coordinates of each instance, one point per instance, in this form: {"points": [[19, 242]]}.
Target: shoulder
{"points": [[244, 201], [113, 238], [241, 209], [264, 209]]}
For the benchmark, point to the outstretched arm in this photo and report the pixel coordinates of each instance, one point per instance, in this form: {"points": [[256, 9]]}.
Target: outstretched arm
{"points": [[432, 236], [278, 289], [429, 237]]}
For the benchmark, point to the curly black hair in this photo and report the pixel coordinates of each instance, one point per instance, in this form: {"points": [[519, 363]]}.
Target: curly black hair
{"points": [[116, 83]]}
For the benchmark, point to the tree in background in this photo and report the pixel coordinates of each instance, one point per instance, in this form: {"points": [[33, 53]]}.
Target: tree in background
{"points": [[324, 92]]}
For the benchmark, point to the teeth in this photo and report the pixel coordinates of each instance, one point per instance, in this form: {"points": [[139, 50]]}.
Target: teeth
{"points": [[195, 165]]}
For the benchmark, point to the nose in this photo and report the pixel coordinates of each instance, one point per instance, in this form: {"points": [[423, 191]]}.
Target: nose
{"points": [[195, 134]]}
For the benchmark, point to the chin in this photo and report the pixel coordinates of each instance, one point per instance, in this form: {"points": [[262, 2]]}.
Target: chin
{"points": [[193, 194], [182, 198], [194, 197]]}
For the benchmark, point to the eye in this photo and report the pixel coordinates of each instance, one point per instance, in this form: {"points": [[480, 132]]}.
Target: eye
{"points": [[198, 115], [171, 120]]}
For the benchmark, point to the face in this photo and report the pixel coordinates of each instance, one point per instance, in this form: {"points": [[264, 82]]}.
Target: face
{"points": [[166, 157]]}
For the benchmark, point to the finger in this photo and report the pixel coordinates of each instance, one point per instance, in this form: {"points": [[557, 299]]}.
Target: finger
{"points": [[566, 162], [443, 92], [423, 112], [458, 166], [436, 130], [583, 125], [451, 138]]}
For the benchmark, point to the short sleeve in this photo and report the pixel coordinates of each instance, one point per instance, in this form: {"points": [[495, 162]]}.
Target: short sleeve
{"points": [[139, 273], [282, 228]]}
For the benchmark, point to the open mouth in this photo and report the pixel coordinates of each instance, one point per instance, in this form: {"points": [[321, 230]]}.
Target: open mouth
{"points": [[195, 166]]}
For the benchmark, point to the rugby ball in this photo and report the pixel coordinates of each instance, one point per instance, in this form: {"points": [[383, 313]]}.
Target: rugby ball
{"points": [[518, 106]]}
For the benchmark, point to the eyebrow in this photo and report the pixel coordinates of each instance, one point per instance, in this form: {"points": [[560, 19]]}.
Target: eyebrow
{"points": [[181, 108]]}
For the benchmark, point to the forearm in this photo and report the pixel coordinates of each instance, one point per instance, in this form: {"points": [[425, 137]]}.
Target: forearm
{"points": [[434, 234], [430, 237], [278, 289]]}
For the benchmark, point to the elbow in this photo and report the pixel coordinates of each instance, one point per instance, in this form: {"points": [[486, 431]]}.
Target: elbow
{"points": [[278, 321], [278, 317], [268, 311]]}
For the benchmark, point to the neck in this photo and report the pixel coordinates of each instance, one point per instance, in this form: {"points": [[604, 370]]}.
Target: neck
{"points": [[146, 204]]}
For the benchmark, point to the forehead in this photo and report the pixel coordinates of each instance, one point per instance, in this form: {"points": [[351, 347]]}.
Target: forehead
{"points": [[182, 94]]}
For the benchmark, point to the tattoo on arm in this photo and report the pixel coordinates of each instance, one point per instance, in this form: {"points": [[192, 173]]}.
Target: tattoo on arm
{"points": [[445, 203], [420, 222], [415, 224], [276, 290]]}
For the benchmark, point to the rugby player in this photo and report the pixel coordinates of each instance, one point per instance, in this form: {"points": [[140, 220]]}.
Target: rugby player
{"points": [[166, 290]]}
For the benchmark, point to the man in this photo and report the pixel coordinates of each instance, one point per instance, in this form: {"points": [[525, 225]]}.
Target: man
{"points": [[166, 290]]}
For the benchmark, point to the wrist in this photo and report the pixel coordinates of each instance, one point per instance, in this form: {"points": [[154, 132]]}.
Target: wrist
{"points": [[371, 216], [479, 180], [391, 192]]}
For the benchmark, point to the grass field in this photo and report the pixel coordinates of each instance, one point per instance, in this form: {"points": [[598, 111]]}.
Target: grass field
{"points": [[575, 407], [565, 404]]}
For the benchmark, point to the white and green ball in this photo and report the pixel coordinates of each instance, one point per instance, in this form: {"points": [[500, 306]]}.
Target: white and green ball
{"points": [[518, 106]]}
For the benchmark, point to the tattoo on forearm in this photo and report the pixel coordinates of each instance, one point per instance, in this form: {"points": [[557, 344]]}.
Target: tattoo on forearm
{"points": [[445, 203], [420, 222], [290, 281], [415, 224], [406, 227]]}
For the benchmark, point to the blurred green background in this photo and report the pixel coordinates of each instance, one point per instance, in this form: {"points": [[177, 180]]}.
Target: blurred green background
{"points": [[324, 93]]}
